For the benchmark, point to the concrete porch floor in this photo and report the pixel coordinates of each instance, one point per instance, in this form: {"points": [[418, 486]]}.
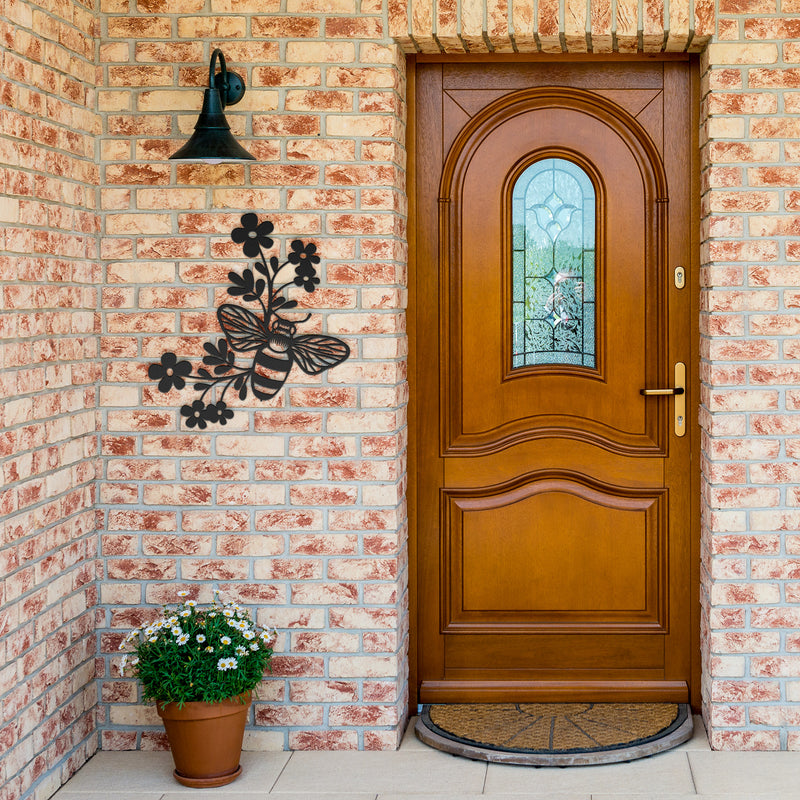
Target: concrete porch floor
{"points": [[417, 771]]}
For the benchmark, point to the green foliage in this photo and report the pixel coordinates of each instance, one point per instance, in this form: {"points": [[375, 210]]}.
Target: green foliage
{"points": [[193, 653]]}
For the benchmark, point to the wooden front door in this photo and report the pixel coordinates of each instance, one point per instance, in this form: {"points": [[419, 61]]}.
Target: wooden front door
{"points": [[553, 282]]}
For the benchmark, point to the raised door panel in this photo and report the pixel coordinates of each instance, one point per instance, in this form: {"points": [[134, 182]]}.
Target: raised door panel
{"points": [[489, 403], [553, 553]]}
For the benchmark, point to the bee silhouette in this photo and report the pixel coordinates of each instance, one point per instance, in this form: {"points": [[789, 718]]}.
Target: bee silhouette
{"points": [[271, 338], [277, 348]]}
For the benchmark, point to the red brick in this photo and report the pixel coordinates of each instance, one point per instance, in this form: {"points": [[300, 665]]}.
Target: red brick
{"points": [[744, 740], [288, 716], [774, 176], [742, 103], [323, 691], [745, 691], [288, 520], [784, 568], [141, 569], [323, 740], [772, 28], [228, 569]]}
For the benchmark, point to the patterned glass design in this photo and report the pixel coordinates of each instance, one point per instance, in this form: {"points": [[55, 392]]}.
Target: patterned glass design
{"points": [[553, 229]]}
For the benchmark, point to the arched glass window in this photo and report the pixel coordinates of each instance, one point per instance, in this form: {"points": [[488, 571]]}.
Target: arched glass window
{"points": [[553, 228]]}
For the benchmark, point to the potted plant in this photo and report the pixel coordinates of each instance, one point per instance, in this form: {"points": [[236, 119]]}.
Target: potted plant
{"points": [[201, 666]]}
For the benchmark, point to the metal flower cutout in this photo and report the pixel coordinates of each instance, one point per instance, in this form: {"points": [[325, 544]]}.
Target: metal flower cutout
{"points": [[270, 337]]}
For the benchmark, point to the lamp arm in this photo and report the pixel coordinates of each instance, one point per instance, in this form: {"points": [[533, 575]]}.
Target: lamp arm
{"points": [[212, 83]]}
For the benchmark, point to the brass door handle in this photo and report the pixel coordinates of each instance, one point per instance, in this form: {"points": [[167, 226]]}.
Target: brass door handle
{"points": [[679, 393], [676, 390]]}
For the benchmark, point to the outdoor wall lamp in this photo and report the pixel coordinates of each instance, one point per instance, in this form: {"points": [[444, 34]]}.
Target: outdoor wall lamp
{"points": [[212, 140]]}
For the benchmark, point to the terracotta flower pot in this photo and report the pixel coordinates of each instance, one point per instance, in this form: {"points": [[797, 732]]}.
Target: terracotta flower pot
{"points": [[206, 740]]}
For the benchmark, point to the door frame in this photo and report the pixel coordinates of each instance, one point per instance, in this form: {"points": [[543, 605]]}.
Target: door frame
{"points": [[416, 161]]}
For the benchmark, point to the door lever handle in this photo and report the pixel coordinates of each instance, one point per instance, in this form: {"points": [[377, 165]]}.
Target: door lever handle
{"points": [[679, 392], [648, 392]]}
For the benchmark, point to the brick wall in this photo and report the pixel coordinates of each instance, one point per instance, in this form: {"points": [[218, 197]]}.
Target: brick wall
{"points": [[750, 373], [296, 506], [49, 272]]}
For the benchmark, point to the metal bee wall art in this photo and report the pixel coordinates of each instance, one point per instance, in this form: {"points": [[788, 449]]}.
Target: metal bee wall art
{"points": [[269, 339]]}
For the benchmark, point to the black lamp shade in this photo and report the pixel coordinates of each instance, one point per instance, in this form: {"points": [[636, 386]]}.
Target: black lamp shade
{"points": [[212, 140]]}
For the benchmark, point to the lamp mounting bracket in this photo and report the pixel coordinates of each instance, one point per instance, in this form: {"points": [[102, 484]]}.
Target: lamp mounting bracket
{"points": [[233, 92]]}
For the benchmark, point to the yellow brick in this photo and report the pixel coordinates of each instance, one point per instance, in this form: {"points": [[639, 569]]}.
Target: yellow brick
{"points": [[250, 446], [124, 396], [320, 52], [114, 51], [134, 715], [738, 53], [359, 126], [257, 199], [171, 100], [115, 199], [200, 27], [170, 198], [138, 223], [115, 150], [9, 209], [321, 6], [114, 101], [136, 75], [246, 6], [722, 128], [258, 100]]}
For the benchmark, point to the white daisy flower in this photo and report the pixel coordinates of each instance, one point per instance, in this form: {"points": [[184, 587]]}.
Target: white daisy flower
{"points": [[254, 646], [185, 613], [183, 594], [183, 638], [240, 651], [191, 603], [268, 636], [177, 630], [201, 637], [228, 612], [248, 634], [225, 640]]}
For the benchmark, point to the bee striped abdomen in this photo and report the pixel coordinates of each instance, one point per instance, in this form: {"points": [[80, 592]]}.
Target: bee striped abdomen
{"points": [[270, 371]]}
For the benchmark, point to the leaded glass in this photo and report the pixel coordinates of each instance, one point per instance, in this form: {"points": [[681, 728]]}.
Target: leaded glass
{"points": [[553, 266]]}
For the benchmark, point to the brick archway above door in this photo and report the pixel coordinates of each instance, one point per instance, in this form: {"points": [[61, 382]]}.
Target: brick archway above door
{"points": [[551, 26]]}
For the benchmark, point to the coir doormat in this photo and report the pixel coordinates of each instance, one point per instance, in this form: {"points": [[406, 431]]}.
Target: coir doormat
{"points": [[555, 734]]}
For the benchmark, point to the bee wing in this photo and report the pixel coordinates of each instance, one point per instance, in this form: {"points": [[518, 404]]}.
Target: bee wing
{"points": [[315, 353], [243, 329]]}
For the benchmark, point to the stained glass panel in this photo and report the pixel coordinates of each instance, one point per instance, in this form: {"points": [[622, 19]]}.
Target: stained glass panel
{"points": [[553, 246]]}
